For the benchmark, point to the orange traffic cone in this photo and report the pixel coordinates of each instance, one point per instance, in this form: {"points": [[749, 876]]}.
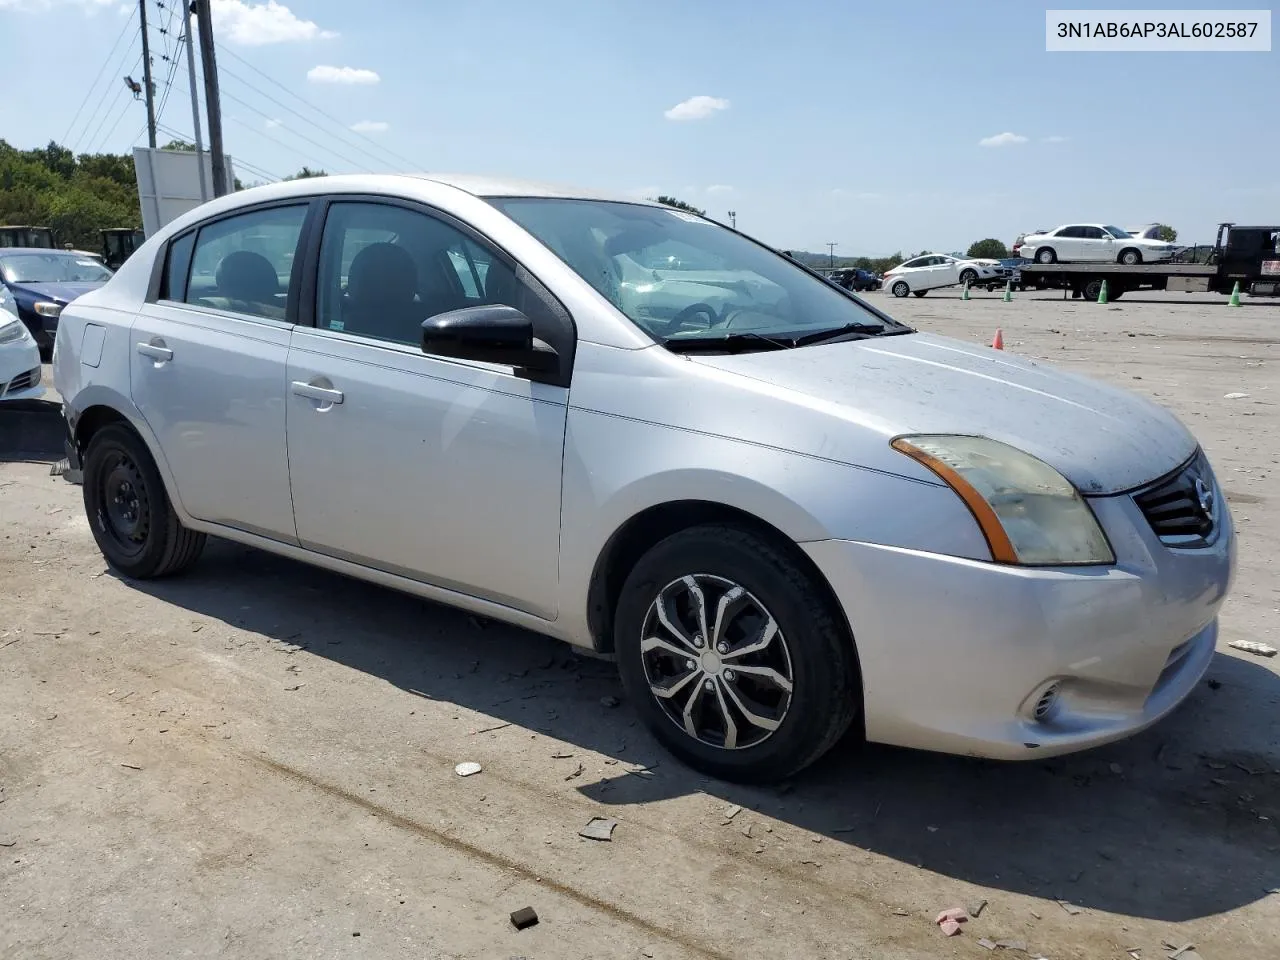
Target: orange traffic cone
{"points": [[998, 342]]}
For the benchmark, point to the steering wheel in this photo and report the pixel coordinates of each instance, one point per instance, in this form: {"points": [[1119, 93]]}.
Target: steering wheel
{"points": [[686, 316]]}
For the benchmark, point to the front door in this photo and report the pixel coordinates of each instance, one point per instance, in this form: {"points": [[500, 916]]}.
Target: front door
{"points": [[208, 368], [443, 471]]}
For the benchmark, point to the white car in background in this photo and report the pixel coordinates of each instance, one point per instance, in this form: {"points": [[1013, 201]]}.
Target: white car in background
{"points": [[19, 355], [1093, 243], [921, 274]]}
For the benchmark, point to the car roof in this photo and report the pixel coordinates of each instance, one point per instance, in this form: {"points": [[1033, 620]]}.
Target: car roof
{"points": [[478, 185]]}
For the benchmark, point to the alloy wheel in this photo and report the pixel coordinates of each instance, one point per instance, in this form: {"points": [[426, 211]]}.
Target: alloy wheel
{"points": [[716, 661]]}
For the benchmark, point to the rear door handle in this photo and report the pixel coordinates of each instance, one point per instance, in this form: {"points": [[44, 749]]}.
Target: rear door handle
{"points": [[157, 353], [312, 392]]}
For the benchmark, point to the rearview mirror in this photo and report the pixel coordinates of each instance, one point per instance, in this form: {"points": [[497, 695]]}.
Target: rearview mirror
{"points": [[489, 334]]}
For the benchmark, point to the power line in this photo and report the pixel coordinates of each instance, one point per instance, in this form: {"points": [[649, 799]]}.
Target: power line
{"points": [[105, 91], [321, 146], [88, 93], [119, 116], [187, 138], [413, 164], [170, 55], [93, 137], [266, 136]]}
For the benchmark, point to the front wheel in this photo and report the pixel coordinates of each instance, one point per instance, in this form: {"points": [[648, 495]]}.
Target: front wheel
{"points": [[900, 289], [969, 276], [1130, 257], [733, 656], [1046, 255], [129, 511]]}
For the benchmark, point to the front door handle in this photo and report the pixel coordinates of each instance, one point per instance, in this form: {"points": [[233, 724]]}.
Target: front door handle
{"points": [[313, 392], [156, 352]]}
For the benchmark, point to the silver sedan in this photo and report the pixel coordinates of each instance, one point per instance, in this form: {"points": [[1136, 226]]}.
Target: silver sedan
{"points": [[784, 513]]}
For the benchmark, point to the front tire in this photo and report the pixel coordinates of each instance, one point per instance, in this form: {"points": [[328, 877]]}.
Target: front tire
{"points": [[968, 276], [900, 289], [129, 511], [1046, 255], [1130, 257], [733, 656]]}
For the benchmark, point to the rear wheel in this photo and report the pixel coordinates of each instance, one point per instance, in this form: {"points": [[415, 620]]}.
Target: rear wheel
{"points": [[1046, 255], [733, 656], [129, 512], [900, 289], [1092, 288], [919, 293]]}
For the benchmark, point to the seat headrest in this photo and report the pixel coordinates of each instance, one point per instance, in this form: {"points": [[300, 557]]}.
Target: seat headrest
{"points": [[245, 275], [383, 273]]}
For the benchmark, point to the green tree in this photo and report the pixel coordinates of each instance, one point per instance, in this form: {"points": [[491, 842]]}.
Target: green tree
{"points": [[988, 249], [306, 173], [680, 205], [1167, 233]]}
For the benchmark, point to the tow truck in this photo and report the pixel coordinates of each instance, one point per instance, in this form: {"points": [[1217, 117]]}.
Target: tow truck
{"points": [[1244, 255]]}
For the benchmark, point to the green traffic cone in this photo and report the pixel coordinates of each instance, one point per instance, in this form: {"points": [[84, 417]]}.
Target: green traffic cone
{"points": [[965, 295], [1008, 291], [1102, 294], [1235, 296]]}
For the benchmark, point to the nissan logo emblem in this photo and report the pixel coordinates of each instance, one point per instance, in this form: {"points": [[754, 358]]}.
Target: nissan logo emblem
{"points": [[1204, 495]]}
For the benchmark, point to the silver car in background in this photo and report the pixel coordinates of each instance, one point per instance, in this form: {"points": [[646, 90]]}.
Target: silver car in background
{"points": [[785, 514]]}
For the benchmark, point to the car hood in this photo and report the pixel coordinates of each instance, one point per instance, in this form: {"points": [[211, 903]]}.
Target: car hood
{"points": [[1101, 438], [59, 292]]}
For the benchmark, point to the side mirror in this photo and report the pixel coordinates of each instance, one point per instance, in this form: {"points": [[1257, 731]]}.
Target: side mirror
{"points": [[489, 334]]}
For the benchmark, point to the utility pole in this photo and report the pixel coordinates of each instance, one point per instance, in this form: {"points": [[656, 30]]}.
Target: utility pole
{"points": [[733, 219], [195, 101], [212, 101], [831, 253], [146, 76]]}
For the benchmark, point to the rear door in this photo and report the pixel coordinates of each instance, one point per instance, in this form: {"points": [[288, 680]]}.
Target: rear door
{"points": [[208, 366]]}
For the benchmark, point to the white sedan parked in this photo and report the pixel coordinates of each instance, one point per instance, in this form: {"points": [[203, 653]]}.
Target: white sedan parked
{"points": [[919, 275], [1093, 243], [783, 513], [19, 355]]}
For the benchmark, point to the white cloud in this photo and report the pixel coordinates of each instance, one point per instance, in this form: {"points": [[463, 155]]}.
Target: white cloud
{"points": [[719, 188], [1055, 139], [697, 108], [325, 74], [35, 6], [1002, 140], [371, 126], [259, 24], [272, 124]]}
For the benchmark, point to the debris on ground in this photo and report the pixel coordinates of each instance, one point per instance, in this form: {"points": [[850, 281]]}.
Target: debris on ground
{"points": [[746, 831], [901, 913], [500, 726], [989, 944], [561, 756], [8, 843], [1071, 908], [949, 927], [732, 811], [576, 773], [1251, 646], [468, 768], [524, 917], [1185, 952], [949, 920], [975, 907], [609, 701], [1234, 396], [1134, 952], [1018, 945], [598, 828], [131, 766]]}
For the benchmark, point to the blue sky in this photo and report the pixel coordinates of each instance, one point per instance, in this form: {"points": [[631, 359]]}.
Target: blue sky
{"points": [[856, 123]]}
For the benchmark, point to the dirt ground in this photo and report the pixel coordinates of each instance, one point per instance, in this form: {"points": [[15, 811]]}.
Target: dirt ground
{"points": [[256, 760]]}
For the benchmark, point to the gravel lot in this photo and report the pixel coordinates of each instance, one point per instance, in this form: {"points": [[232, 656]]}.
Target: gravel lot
{"points": [[256, 760]]}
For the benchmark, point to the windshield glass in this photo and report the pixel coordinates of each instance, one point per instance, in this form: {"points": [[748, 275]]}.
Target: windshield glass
{"points": [[677, 275], [1118, 233], [51, 268]]}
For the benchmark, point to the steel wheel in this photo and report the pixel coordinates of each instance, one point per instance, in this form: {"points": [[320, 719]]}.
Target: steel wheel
{"points": [[124, 506], [716, 661]]}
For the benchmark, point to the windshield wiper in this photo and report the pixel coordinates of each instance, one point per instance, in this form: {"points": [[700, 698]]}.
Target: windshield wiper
{"points": [[729, 342], [869, 329]]}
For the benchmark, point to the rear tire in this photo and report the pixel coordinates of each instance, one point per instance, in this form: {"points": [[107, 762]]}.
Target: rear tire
{"points": [[129, 511], [900, 289], [709, 677], [1046, 255], [919, 293], [1092, 289]]}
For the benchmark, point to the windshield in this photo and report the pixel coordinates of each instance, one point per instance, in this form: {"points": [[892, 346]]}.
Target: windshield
{"points": [[52, 268], [1118, 233], [676, 275]]}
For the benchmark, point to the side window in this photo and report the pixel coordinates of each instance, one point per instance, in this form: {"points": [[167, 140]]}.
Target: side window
{"points": [[1092, 233], [385, 269], [917, 262], [178, 267], [243, 263], [1068, 232]]}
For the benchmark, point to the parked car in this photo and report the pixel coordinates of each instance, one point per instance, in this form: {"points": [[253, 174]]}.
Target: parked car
{"points": [[42, 282], [921, 274], [855, 278], [1092, 243], [801, 516], [19, 356]]}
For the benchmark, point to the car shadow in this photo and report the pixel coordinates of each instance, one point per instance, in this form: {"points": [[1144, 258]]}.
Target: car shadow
{"points": [[1173, 824], [31, 431]]}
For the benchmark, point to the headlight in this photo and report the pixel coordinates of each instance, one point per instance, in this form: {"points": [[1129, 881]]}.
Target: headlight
{"points": [[46, 309], [1029, 513], [13, 330]]}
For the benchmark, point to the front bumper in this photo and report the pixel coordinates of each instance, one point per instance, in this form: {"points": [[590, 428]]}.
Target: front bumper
{"points": [[955, 653]]}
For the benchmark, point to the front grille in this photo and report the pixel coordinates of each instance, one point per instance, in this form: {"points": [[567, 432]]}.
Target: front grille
{"points": [[1183, 509]]}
